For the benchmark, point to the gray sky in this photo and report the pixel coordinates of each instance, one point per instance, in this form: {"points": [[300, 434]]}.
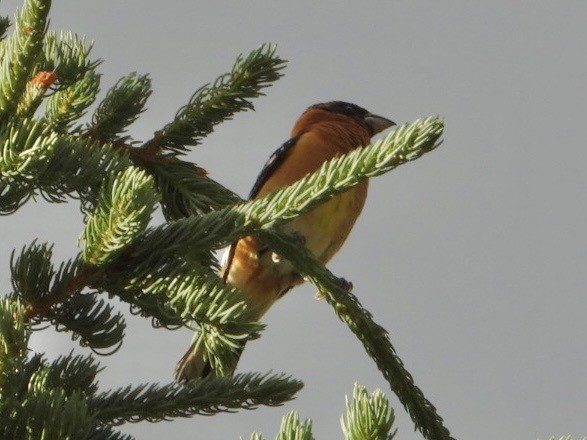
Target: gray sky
{"points": [[473, 257]]}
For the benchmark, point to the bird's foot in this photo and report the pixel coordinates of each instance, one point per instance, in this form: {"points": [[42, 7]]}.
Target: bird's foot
{"points": [[345, 285], [299, 238]]}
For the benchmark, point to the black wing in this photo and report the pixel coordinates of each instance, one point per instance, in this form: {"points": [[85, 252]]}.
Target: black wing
{"points": [[272, 164]]}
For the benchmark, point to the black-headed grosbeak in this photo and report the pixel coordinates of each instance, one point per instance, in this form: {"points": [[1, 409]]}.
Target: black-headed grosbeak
{"points": [[322, 132]]}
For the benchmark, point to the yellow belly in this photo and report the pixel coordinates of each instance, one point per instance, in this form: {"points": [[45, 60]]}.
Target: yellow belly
{"points": [[326, 227]]}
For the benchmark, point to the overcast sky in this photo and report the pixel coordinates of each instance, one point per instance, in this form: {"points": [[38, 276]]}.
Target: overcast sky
{"points": [[473, 257]]}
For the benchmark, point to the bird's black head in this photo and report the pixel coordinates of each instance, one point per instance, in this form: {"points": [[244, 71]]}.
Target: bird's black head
{"points": [[374, 123], [344, 108]]}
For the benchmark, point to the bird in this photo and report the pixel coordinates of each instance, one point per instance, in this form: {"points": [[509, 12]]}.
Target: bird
{"points": [[323, 132]]}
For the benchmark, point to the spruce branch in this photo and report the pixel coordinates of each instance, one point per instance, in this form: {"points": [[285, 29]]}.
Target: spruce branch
{"points": [[48, 413], [292, 429], [14, 336], [220, 228], [17, 380], [374, 338], [124, 209], [123, 104], [212, 104], [32, 271], [34, 405], [36, 282], [197, 294], [67, 56], [68, 104], [55, 296], [34, 93], [208, 396], [13, 195], [186, 190], [92, 321], [34, 159], [21, 51], [146, 305], [74, 373], [368, 417], [25, 144], [171, 294], [41, 304], [76, 168]]}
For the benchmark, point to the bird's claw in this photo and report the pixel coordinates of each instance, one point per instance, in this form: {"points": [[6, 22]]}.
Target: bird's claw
{"points": [[345, 285], [299, 238]]}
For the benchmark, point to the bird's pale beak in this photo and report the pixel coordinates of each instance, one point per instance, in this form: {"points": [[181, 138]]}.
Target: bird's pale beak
{"points": [[378, 123]]}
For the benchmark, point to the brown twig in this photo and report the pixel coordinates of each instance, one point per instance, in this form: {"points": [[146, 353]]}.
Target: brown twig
{"points": [[81, 280]]}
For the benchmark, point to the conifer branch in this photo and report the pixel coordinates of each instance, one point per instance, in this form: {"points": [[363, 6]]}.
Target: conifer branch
{"points": [[293, 429], [67, 56], [124, 209], [48, 413], [374, 338], [38, 408], [123, 104], [74, 374], [41, 306], [186, 190], [197, 294], [91, 320], [14, 336], [34, 93], [36, 282], [209, 396], [220, 228], [146, 305], [368, 417], [34, 159], [76, 168], [16, 376], [32, 271], [70, 103], [20, 53], [55, 296], [13, 195], [25, 143], [212, 104]]}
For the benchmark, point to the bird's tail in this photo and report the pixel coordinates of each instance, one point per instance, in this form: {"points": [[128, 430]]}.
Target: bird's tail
{"points": [[195, 365]]}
